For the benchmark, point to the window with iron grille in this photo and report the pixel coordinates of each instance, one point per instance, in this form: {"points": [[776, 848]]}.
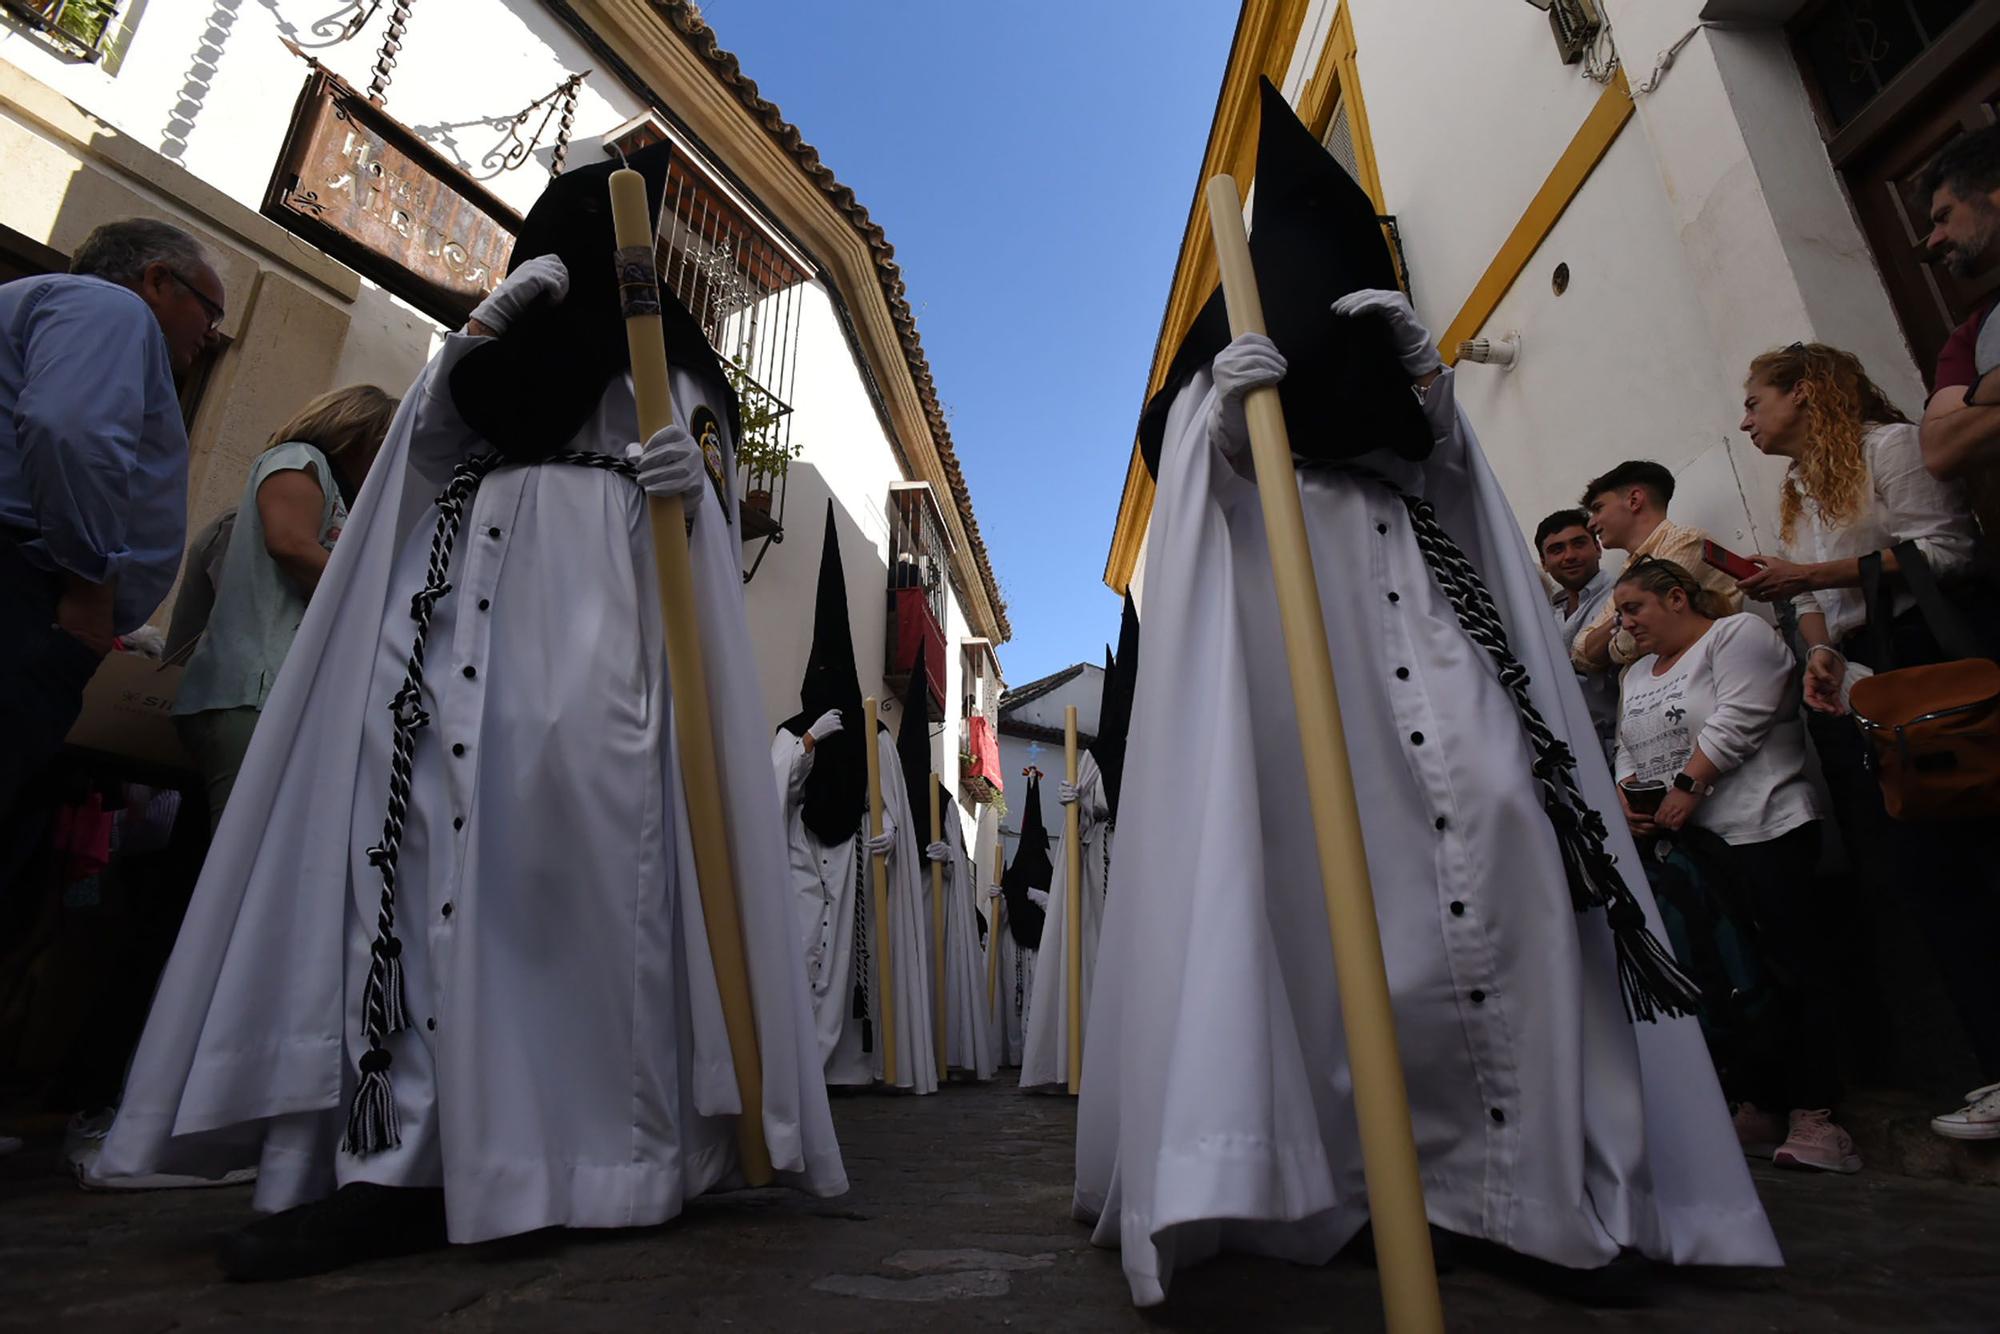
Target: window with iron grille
{"points": [[80, 26], [728, 266], [1853, 49], [918, 556], [979, 685]]}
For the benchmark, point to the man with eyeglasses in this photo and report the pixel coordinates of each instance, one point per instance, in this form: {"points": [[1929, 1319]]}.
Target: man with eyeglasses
{"points": [[93, 466]]}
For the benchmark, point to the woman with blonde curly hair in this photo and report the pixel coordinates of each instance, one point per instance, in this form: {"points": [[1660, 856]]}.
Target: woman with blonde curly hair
{"points": [[1856, 486]]}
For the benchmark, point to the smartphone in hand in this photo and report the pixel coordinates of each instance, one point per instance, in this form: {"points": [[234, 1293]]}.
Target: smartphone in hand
{"points": [[1722, 558], [1644, 798]]}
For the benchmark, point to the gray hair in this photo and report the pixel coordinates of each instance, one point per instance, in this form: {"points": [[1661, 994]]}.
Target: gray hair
{"points": [[119, 252]]}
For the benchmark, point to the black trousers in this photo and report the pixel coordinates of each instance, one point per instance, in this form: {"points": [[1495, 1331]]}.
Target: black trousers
{"points": [[1946, 874], [43, 671], [1775, 884]]}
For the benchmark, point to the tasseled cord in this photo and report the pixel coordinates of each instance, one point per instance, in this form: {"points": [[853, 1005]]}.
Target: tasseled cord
{"points": [[371, 1117], [1650, 982]]}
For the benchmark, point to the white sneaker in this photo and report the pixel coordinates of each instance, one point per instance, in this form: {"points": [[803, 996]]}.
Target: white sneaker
{"points": [[1978, 1119]]}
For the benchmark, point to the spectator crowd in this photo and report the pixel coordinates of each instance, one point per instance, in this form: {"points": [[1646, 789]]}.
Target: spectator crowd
{"points": [[1731, 693]]}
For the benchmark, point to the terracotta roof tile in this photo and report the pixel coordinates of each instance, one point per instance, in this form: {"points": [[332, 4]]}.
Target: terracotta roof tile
{"points": [[1034, 690], [685, 17]]}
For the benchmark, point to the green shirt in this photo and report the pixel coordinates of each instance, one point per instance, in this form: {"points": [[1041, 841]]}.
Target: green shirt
{"points": [[257, 606]]}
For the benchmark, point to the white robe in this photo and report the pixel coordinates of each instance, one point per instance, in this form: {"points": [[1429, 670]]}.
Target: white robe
{"points": [[1217, 1111], [566, 1063], [1045, 1057], [968, 1044], [1015, 987], [823, 882]]}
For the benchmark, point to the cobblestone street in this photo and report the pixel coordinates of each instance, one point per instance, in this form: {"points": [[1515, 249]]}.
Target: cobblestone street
{"points": [[958, 1219]]}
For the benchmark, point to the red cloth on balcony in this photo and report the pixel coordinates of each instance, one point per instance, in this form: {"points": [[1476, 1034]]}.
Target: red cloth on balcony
{"points": [[984, 743]]}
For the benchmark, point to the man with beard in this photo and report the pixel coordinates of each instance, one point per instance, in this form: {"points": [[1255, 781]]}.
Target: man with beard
{"points": [[1961, 427]]}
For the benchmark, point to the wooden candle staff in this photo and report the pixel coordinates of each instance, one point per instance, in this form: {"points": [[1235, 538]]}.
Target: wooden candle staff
{"points": [[937, 927], [1406, 1267], [1073, 908], [993, 937], [639, 294], [885, 986]]}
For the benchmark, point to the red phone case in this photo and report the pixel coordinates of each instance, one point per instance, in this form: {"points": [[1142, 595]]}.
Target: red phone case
{"points": [[1727, 561]]}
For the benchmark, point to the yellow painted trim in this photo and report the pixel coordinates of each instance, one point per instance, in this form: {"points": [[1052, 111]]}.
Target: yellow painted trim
{"points": [[1266, 32], [1593, 139], [1336, 71], [1338, 75]]}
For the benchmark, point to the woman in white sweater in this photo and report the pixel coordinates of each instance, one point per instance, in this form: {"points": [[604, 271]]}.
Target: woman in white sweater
{"points": [[1856, 488], [1706, 716]]}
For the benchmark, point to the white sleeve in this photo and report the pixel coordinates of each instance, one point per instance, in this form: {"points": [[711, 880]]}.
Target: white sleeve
{"points": [[791, 763], [1917, 506], [1750, 670]]}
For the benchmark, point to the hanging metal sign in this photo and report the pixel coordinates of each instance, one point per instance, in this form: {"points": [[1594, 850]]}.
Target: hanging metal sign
{"points": [[365, 189]]}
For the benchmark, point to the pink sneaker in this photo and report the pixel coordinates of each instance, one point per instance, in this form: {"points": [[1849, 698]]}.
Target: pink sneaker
{"points": [[1758, 1131], [1818, 1144]]}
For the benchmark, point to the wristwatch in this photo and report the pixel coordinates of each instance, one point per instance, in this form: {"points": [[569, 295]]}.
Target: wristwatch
{"points": [[1686, 782]]}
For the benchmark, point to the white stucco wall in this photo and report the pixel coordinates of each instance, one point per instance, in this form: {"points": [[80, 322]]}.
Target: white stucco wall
{"points": [[1018, 752], [849, 458], [1713, 228]]}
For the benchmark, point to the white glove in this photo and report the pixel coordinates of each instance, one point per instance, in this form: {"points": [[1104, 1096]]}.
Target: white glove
{"points": [[827, 724], [1411, 341], [1039, 897], [542, 277], [147, 640], [883, 844], [940, 852], [1249, 362], [1066, 793], [670, 464]]}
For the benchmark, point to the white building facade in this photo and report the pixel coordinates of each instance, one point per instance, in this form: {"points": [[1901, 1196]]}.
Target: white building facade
{"points": [[1031, 735], [1708, 180], [196, 111]]}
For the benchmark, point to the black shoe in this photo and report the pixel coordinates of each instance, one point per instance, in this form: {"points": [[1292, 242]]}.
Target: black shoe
{"points": [[356, 1223], [1445, 1247], [1623, 1284]]}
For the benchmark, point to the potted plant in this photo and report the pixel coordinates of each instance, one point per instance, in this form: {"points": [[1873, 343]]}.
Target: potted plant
{"points": [[762, 453]]}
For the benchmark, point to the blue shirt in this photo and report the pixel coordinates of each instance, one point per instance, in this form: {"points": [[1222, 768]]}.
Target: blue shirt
{"points": [[93, 455], [1600, 689]]}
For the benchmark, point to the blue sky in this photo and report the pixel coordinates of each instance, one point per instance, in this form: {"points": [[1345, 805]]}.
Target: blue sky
{"points": [[1033, 167]]}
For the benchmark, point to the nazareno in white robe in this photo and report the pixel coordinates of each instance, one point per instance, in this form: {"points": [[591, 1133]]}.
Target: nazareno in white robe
{"points": [[968, 1044], [566, 1062], [1045, 1056], [1015, 986], [986, 880], [824, 883], [1217, 1111]]}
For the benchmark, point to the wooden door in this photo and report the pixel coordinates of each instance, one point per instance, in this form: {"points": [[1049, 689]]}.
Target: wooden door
{"points": [[1891, 92]]}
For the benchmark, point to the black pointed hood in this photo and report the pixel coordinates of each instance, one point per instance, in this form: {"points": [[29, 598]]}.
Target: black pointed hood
{"points": [[529, 391], [1030, 869], [1114, 708], [1314, 238], [913, 748], [836, 791]]}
